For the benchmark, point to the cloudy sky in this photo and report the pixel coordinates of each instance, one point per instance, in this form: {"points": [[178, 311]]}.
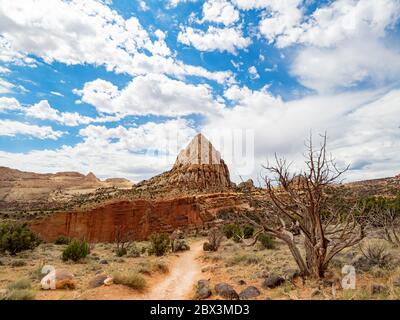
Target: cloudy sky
{"points": [[119, 87]]}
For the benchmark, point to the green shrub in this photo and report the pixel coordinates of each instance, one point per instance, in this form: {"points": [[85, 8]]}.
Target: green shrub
{"points": [[207, 246], [266, 241], [62, 240], [76, 250], [230, 230], [131, 279], [160, 243], [248, 231], [16, 237], [120, 252]]}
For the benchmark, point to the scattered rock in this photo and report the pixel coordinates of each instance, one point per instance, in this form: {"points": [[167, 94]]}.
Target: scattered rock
{"points": [[396, 282], [103, 261], [291, 274], [241, 282], [378, 288], [2, 263], [272, 281], [59, 279], [97, 281], [249, 292], [226, 291], [203, 283], [109, 281], [203, 293]]}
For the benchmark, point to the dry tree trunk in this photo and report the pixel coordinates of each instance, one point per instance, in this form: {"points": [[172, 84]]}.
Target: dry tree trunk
{"points": [[297, 202]]}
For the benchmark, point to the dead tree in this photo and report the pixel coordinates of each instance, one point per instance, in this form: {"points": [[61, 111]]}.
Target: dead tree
{"points": [[389, 220], [122, 238], [298, 202]]}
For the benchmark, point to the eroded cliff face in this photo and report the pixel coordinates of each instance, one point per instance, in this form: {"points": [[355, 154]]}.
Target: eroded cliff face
{"points": [[137, 218]]}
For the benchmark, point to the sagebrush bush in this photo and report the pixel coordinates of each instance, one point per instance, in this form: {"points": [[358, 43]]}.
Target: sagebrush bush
{"points": [[76, 250], [19, 290], [160, 243], [266, 241], [16, 237], [232, 230], [20, 284], [248, 231], [62, 240], [377, 255], [131, 279], [134, 251], [207, 246]]}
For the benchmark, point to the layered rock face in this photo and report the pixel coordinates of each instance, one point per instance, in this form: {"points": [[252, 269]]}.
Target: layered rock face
{"points": [[198, 167], [137, 219]]}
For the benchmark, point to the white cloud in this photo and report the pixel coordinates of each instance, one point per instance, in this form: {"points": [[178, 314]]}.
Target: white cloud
{"points": [[347, 65], [175, 3], [253, 73], [85, 32], [362, 128], [13, 128], [221, 39], [5, 86], [9, 104], [152, 94], [220, 11], [4, 70], [143, 5], [112, 152]]}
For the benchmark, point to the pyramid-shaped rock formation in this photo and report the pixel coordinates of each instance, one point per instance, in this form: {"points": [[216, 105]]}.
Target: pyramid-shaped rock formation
{"points": [[200, 166], [197, 167]]}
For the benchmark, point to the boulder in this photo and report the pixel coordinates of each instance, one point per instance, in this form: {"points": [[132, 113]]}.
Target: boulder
{"points": [[203, 293], [249, 292], [59, 279], [272, 281], [203, 283], [226, 291], [97, 281]]}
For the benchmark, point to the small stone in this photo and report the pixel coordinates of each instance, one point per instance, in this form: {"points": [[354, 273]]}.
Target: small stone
{"points": [[292, 274], [378, 288], [241, 282], [203, 293], [249, 292], [109, 281], [103, 261], [97, 281], [226, 291], [272, 281]]}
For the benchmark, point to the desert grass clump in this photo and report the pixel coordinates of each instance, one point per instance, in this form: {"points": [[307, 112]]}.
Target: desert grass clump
{"points": [[266, 241], [76, 250], [132, 280], [19, 290], [16, 237]]}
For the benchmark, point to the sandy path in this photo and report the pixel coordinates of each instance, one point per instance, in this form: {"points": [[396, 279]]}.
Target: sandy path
{"points": [[178, 284]]}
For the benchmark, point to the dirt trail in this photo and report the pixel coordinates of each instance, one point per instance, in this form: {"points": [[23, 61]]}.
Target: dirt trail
{"points": [[178, 284]]}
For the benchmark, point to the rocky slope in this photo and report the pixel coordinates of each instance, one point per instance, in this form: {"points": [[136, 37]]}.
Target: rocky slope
{"points": [[28, 190]]}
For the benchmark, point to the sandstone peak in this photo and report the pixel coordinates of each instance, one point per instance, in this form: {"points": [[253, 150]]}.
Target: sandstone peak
{"points": [[199, 151]]}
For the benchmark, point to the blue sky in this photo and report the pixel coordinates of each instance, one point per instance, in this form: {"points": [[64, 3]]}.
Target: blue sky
{"points": [[119, 87]]}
